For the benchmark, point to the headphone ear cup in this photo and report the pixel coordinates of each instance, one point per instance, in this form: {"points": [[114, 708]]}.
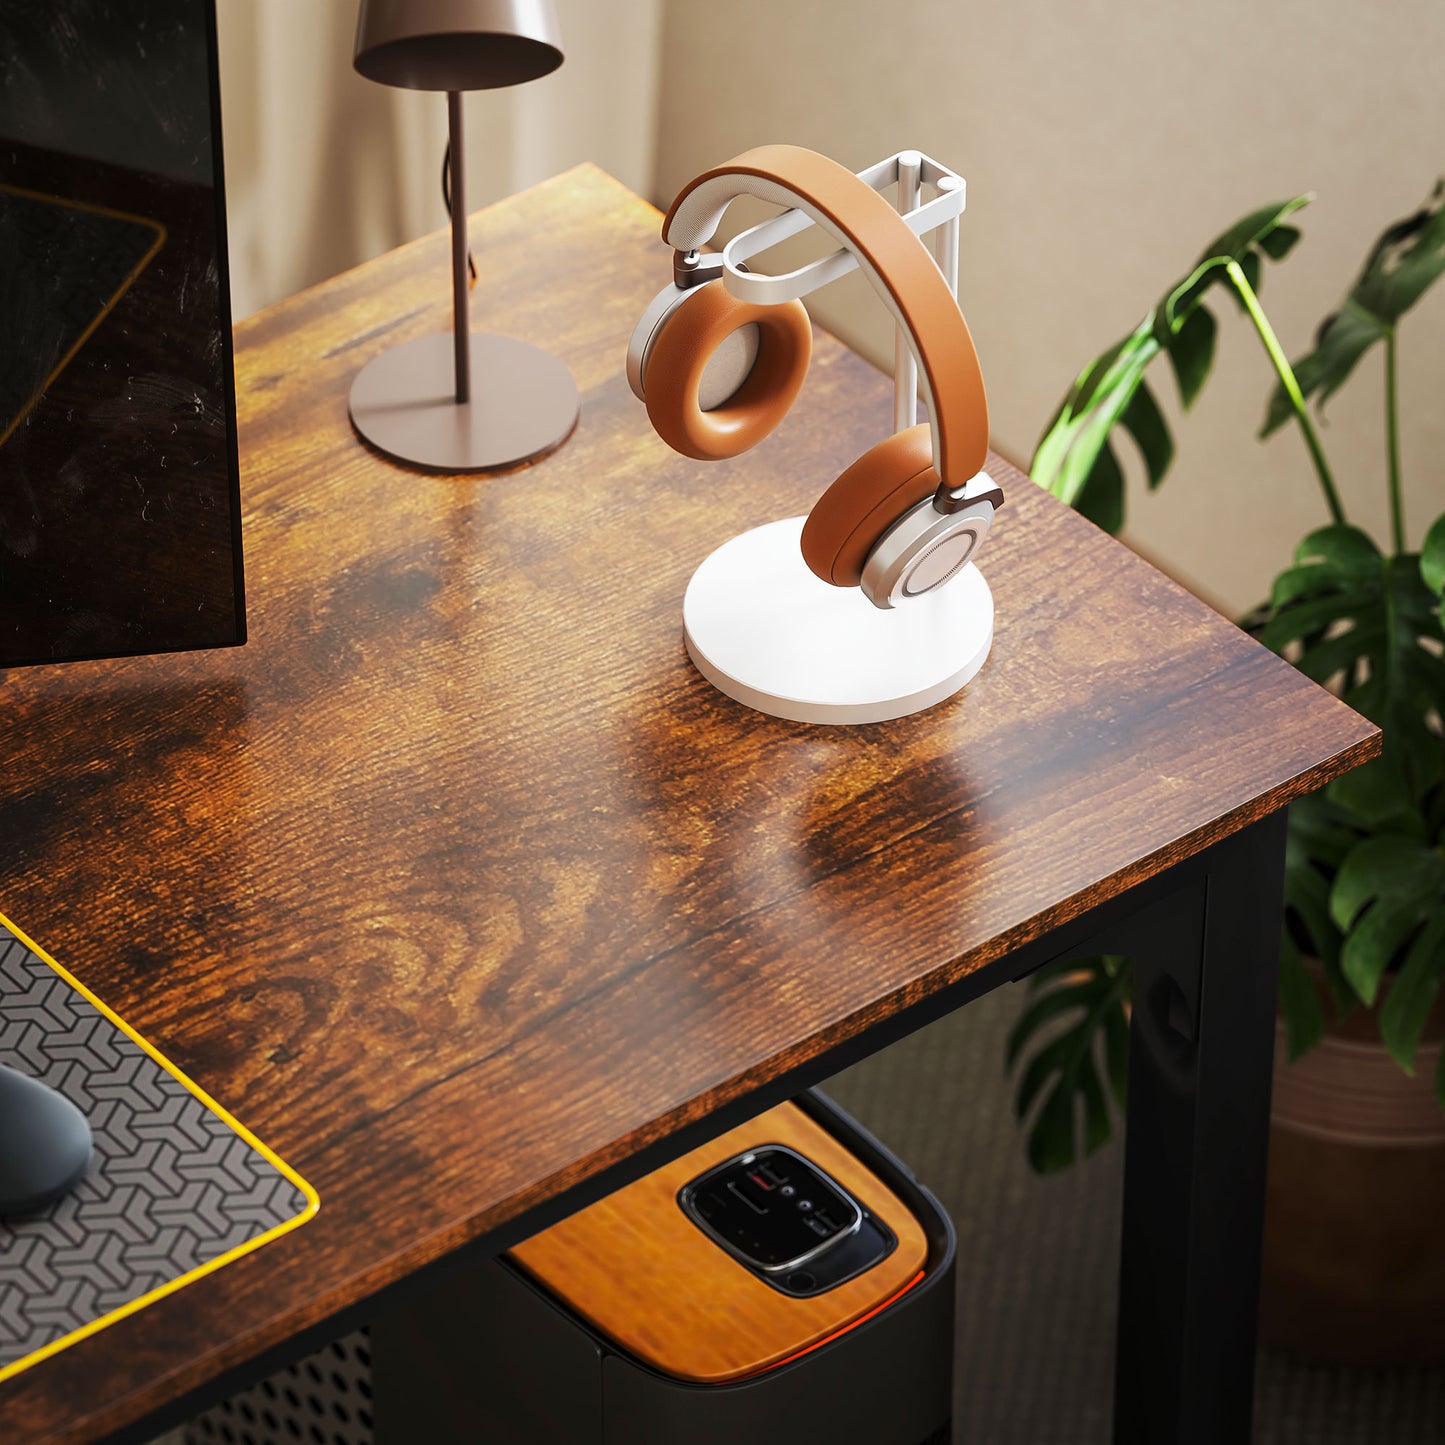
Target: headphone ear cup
{"points": [[688, 340], [849, 518]]}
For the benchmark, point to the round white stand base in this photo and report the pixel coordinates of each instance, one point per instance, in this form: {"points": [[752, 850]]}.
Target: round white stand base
{"points": [[765, 631]]}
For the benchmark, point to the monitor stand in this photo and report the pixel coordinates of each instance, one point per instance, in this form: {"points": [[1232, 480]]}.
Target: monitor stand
{"points": [[44, 1144]]}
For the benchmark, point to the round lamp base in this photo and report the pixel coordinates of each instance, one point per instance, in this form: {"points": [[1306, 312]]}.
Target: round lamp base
{"points": [[765, 631], [524, 403]]}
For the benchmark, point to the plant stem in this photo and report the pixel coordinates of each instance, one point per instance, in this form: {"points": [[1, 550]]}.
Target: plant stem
{"points": [[1290, 384], [1392, 433]]}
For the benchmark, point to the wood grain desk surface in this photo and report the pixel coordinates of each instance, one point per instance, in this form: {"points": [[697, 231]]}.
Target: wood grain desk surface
{"points": [[458, 884]]}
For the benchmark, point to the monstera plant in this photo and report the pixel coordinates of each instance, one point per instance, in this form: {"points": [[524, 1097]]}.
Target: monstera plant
{"points": [[1365, 864]]}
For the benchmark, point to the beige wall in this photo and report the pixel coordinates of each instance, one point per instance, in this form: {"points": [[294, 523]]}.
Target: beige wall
{"points": [[325, 169], [1104, 144]]}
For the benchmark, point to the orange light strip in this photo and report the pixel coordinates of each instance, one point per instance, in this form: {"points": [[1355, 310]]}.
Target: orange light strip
{"points": [[852, 1325]]}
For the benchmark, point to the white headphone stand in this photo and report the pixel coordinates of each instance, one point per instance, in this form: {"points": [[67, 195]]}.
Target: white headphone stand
{"points": [[765, 631], [757, 623]]}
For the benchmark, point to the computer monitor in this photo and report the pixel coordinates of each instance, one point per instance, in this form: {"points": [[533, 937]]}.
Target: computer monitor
{"points": [[120, 524], [119, 496]]}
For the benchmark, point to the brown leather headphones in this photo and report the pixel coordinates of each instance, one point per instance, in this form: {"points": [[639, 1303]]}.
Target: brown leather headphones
{"points": [[912, 510]]}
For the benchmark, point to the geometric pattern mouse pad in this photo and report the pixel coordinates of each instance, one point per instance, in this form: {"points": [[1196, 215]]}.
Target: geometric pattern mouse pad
{"points": [[177, 1188]]}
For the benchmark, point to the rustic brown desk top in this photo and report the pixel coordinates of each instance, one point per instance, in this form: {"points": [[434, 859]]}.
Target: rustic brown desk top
{"points": [[458, 884]]}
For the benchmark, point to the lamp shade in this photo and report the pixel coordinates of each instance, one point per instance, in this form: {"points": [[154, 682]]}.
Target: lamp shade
{"points": [[456, 44]]}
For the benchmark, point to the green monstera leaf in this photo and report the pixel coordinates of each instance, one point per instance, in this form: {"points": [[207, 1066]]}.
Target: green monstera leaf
{"points": [[1368, 625], [1365, 859], [1075, 459], [1321, 835], [1077, 1023], [1389, 897], [1405, 262], [1361, 878], [1432, 557]]}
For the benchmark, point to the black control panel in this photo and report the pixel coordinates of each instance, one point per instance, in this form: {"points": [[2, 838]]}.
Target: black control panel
{"points": [[779, 1215]]}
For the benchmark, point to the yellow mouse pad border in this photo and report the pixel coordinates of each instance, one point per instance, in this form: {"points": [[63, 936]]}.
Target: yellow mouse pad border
{"points": [[34, 1229]]}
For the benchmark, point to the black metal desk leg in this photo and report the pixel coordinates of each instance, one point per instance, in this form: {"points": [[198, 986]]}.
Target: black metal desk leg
{"points": [[1198, 1135]]}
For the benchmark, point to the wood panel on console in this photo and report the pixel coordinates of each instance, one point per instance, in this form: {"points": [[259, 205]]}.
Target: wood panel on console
{"points": [[646, 1276], [457, 884]]}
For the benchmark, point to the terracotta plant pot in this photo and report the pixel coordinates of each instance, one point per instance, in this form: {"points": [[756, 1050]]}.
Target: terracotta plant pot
{"points": [[1354, 1248]]}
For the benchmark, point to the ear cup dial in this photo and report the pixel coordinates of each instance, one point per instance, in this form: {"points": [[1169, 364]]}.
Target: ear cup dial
{"points": [[699, 424], [924, 549], [867, 498]]}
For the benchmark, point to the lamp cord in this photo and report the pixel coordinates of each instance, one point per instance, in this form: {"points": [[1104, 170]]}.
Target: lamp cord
{"points": [[447, 202]]}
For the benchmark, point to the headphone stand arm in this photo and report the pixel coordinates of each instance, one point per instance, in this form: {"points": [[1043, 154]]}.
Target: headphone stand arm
{"points": [[905, 368]]}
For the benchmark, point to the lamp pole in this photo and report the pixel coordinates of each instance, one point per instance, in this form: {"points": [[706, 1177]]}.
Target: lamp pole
{"points": [[461, 320]]}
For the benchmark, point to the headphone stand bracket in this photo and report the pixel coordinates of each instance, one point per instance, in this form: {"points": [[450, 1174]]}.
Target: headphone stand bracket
{"points": [[910, 171]]}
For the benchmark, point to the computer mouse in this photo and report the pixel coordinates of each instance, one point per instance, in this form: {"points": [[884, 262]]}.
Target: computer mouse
{"points": [[44, 1144]]}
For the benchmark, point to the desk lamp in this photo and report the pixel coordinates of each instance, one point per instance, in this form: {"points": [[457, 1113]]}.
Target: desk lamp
{"points": [[468, 402]]}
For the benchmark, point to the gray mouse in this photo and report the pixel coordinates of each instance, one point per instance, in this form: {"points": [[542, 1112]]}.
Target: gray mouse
{"points": [[44, 1144]]}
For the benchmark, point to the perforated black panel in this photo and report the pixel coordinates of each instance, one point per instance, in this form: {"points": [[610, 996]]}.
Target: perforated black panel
{"points": [[325, 1400]]}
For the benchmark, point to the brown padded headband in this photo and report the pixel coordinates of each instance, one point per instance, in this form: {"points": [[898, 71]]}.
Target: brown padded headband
{"points": [[899, 262]]}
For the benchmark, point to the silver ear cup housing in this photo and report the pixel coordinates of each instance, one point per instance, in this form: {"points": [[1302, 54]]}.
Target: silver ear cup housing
{"points": [[643, 334], [922, 550]]}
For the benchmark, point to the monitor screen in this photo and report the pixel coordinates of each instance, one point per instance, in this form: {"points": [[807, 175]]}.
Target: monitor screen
{"points": [[119, 495]]}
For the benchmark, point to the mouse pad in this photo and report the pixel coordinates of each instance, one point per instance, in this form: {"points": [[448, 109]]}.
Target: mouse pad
{"points": [[177, 1188]]}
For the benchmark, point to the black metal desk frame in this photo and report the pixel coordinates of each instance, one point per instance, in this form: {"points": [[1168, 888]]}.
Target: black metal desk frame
{"points": [[1204, 939]]}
